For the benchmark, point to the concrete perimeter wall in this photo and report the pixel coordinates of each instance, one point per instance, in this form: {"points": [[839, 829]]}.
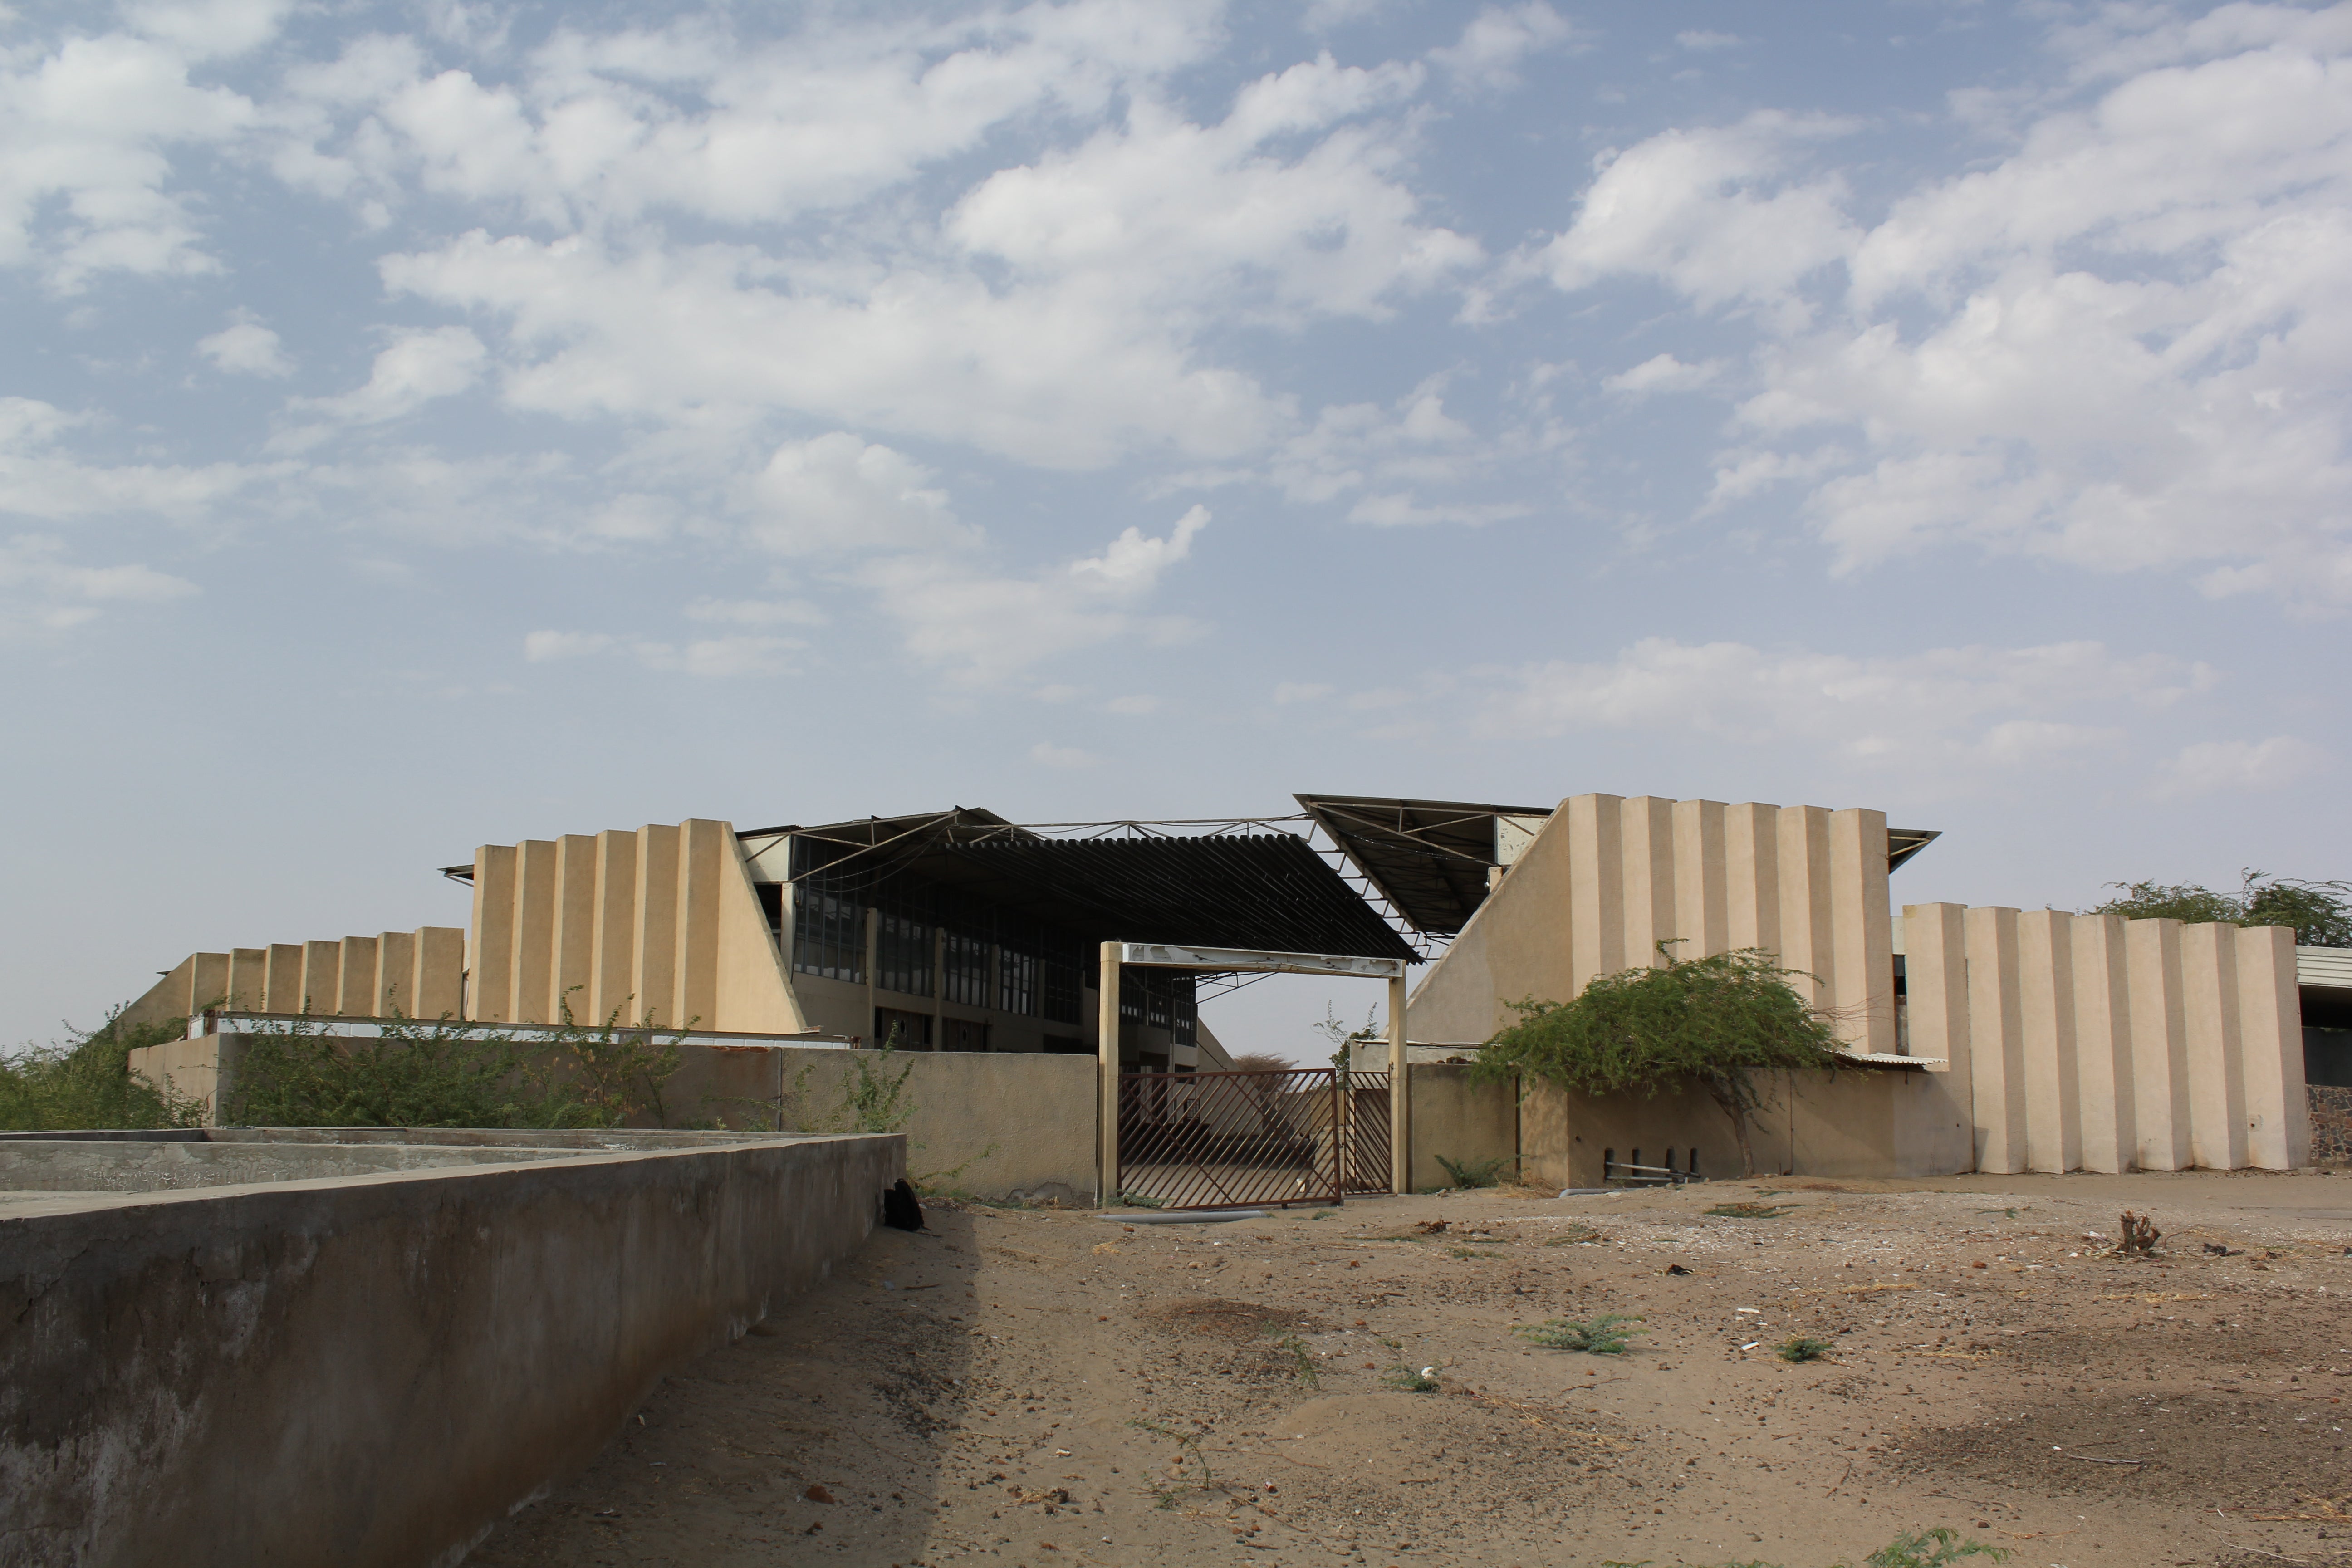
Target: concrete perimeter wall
{"points": [[372, 1371], [2092, 1041], [420, 974], [986, 1124]]}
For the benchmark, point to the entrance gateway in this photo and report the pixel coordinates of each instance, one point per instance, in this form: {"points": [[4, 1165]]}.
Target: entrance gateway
{"points": [[1247, 1140]]}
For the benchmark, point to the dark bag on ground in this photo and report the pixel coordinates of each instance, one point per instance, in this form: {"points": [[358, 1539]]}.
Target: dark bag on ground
{"points": [[901, 1210]]}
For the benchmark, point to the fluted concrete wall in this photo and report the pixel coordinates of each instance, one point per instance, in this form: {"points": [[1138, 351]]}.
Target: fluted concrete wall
{"points": [[2091, 1042], [660, 925], [1609, 877], [419, 973]]}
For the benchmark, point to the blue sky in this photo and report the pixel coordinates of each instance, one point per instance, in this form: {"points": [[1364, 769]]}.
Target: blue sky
{"points": [[424, 426]]}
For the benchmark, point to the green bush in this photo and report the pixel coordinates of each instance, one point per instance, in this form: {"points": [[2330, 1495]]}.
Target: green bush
{"points": [[1475, 1173], [452, 1074], [1606, 1335], [1712, 1022], [86, 1082], [2320, 912]]}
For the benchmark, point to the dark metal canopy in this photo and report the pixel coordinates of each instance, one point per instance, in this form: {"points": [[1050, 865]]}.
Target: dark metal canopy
{"points": [[1432, 860], [1244, 888]]}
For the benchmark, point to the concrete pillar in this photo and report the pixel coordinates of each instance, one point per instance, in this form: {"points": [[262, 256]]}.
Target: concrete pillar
{"points": [[1936, 986], [2045, 982], [701, 845], [1645, 834], [1996, 1040], [322, 963], [355, 978], [532, 967], [652, 961], [574, 940], [2216, 1090], [1702, 885], [1752, 858], [1805, 938], [1862, 934], [281, 977], [396, 974], [489, 988], [1106, 1079], [437, 982], [248, 977], [2269, 1023], [612, 942], [1596, 890], [1400, 1093], [2159, 1044], [2102, 1053]]}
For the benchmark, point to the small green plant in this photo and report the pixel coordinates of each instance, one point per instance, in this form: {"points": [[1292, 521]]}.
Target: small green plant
{"points": [[1322, 1214], [1475, 1173], [1804, 1348], [1408, 1380], [1140, 1201], [86, 1082], [1575, 1236], [1187, 1445], [873, 1097], [1936, 1548], [1748, 1211], [1604, 1335], [1302, 1362]]}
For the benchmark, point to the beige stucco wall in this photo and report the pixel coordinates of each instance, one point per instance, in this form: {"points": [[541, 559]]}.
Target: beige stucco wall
{"points": [[420, 973], [657, 925], [988, 1123], [372, 1369], [1607, 878], [2091, 1042], [1468, 1122]]}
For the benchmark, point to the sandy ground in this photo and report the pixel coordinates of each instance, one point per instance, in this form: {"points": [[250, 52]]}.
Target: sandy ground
{"points": [[1028, 1387]]}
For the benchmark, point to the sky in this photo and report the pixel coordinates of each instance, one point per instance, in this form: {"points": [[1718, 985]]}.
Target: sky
{"points": [[431, 424]]}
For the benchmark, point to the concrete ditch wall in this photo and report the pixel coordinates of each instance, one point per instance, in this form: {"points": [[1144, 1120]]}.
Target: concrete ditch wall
{"points": [[370, 1371]]}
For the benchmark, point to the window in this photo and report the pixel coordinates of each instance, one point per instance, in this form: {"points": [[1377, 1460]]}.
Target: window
{"points": [[963, 963], [828, 933], [902, 1030], [1016, 981], [903, 953]]}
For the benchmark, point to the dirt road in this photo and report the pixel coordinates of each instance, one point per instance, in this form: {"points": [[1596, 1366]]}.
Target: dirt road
{"points": [[1031, 1387]]}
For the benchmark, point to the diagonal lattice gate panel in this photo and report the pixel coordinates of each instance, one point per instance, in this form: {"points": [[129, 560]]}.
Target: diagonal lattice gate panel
{"points": [[1235, 1140]]}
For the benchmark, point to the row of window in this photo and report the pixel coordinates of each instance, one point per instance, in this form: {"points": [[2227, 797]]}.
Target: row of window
{"points": [[986, 957]]}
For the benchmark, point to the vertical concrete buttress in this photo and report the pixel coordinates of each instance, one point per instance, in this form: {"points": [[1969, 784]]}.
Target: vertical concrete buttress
{"points": [[2159, 1044], [281, 977], [1996, 1040], [610, 976], [652, 959], [2277, 1106], [701, 844], [1751, 855], [2102, 1053], [2216, 1090], [1804, 865], [1702, 887], [1862, 933], [489, 988], [532, 978], [322, 963], [573, 939], [396, 974], [1596, 889], [2045, 987], [1646, 833]]}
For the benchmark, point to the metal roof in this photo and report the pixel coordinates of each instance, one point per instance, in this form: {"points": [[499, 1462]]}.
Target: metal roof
{"points": [[1431, 859], [1250, 887]]}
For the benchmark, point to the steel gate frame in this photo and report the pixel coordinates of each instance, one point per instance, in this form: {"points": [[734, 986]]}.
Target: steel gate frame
{"points": [[1249, 1139], [1112, 1084]]}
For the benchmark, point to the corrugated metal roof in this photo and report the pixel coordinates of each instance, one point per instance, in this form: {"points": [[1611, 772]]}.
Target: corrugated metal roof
{"points": [[2327, 966]]}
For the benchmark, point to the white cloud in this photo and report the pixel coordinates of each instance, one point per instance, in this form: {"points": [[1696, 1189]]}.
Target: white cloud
{"points": [[2117, 346], [544, 647], [1711, 214], [1290, 692], [87, 135], [1053, 756], [41, 479], [1942, 713], [210, 30], [418, 367], [41, 591], [757, 612], [1664, 372], [710, 657], [246, 348], [1132, 706], [1488, 53], [837, 494], [1700, 39], [984, 628], [2237, 767]]}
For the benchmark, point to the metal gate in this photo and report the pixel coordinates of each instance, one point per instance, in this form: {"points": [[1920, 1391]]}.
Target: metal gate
{"points": [[1247, 1140]]}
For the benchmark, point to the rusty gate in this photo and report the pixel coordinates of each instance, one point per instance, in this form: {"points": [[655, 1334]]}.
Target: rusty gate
{"points": [[1247, 1140]]}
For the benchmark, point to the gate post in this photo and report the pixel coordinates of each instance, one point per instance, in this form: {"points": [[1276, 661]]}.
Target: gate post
{"points": [[1400, 1093], [1107, 1080]]}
